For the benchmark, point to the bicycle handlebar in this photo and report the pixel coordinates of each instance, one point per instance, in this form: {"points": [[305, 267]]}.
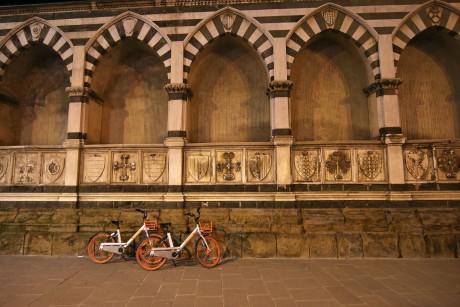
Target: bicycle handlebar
{"points": [[197, 218], [143, 212]]}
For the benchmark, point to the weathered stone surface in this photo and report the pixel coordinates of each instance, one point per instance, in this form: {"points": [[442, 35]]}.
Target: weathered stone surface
{"points": [[289, 245], [322, 219], [11, 243], [412, 245], [133, 220], [252, 220], [287, 221], [34, 216], [94, 220], [322, 245], [350, 245], [36, 243], [8, 215], [441, 245], [70, 244], [380, 245], [176, 217], [230, 245], [366, 220], [404, 220], [65, 220], [439, 219], [258, 245]]}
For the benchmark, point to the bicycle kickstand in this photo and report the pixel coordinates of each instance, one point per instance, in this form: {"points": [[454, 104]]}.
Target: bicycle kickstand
{"points": [[174, 262]]}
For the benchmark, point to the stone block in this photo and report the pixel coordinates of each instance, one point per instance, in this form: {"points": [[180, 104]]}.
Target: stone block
{"points": [[322, 219], [8, 215], [230, 245], [11, 243], [365, 219], [38, 243], [287, 221], [252, 220], [404, 220], [289, 245], [34, 216], [412, 245], [441, 245], [258, 245], [73, 244], [133, 220], [380, 245], [350, 245], [439, 219], [322, 245], [217, 216], [94, 220], [177, 218]]}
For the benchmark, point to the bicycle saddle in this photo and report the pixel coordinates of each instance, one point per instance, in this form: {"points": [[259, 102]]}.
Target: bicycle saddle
{"points": [[165, 225], [116, 223]]}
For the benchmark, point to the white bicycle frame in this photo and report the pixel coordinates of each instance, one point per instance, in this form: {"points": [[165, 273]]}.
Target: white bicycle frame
{"points": [[119, 247], [173, 252]]}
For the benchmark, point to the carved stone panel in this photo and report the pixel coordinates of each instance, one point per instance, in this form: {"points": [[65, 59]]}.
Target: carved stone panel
{"points": [[337, 165], [124, 167], [228, 166], [259, 166], [53, 165], [306, 165], [198, 164], [5, 168], [370, 164], [95, 167], [26, 168], [448, 162], [417, 163], [153, 167]]}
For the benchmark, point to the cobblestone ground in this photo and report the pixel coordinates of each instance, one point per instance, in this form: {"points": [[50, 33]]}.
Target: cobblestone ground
{"points": [[72, 281]]}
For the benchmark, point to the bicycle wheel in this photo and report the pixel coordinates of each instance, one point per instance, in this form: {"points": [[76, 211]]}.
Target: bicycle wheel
{"points": [[96, 254], [208, 258], [145, 259]]}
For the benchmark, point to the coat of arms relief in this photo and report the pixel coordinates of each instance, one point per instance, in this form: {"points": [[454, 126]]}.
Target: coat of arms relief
{"points": [[306, 165], [5, 171], [198, 167], [259, 166], [417, 163]]}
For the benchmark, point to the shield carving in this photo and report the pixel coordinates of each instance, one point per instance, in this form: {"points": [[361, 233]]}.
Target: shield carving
{"points": [[154, 165], [94, 167], [128, 24], [198, 166], [329, 16], [227, 21], [260, 164], [3, 167], [370, 163], [306, 165], [416, 163], [54, 166]]}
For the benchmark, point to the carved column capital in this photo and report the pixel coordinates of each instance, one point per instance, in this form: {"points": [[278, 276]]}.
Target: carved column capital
{"points": [[78, 94], [178, 91], [279, 88], [383, 87]]}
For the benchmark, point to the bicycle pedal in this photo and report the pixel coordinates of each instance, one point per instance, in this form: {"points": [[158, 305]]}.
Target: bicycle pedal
{"points": [[174, 262], [124, 257]]}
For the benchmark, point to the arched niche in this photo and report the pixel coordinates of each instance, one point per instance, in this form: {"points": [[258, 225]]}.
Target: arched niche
{"points": [[229, 104], [33, 102], [327, 101], [128, 102], [430, 94]]}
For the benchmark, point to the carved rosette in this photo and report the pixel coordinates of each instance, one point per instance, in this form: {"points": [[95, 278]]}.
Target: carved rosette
{"points": [[178, 91], [36, 29], [417, 164], [279, 88], [449, 164], [53, 168], [383, 87]]}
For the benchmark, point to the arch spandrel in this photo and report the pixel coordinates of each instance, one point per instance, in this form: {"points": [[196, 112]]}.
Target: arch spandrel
{"points": [[131, 25], [336, 18], [233, 22], [434, 13], [30, 32]]}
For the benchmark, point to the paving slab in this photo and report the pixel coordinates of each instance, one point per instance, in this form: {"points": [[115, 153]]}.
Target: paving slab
{"points": [[76, 281]]}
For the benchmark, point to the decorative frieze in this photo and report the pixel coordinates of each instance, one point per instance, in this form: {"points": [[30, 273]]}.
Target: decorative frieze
{"points": [[178, 91], [383, 87]]}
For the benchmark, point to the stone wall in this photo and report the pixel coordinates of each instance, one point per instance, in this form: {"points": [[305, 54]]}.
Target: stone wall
{"points": [[262, 233]]}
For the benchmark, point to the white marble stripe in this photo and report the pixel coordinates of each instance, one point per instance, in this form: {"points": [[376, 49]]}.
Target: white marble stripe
{"points": [[255, 36], [103, 42], [163, 50], [265, 46], [200, 37], [155, 39], [418, 22], [396, 56], [373, 57], [313, 25], [59, 43], [192, 49], [69, 68], [89, 66], [369, 43], [243, 28], [302, 34], [187, 62], [452, 21], [94, 53], [398, 42], [68, 53], [22, 38], [143, 32], [268, 60], [11, 47], [212, 29], [3, 58], [347, 21], [49, 36], [293, 45], [407, 31], [167, 62], [358, 33], [289, 58], [114, 33], [185, 75]]}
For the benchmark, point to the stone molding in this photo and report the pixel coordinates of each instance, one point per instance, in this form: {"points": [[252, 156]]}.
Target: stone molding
{"points": [[279, 88], [82, 94], [178, 91], [383, 87]]}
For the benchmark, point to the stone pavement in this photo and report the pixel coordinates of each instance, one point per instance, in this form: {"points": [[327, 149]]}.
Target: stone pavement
{"points": [[72, 281]]}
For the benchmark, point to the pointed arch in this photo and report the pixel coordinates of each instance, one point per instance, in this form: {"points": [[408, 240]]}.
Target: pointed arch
{"points": [[334, 17], [30, 32], [128, 24], [434, 13], [229, 21]]}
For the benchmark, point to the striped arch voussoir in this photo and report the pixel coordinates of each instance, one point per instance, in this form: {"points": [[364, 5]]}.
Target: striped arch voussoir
{"points": [[335, 18], [126, 25], [435, 14], [229, 22], [31, 32]]}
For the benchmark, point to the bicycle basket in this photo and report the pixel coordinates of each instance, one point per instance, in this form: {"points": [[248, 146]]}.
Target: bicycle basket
{"points": [[205, 226], [152, 225]]}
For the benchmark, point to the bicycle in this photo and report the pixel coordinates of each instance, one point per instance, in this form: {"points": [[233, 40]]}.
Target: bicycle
{"points": [[153, 252], [103, 246]]}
